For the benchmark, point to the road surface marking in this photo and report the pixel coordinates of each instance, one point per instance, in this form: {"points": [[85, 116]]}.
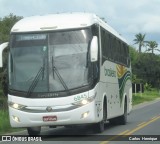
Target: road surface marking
{"points": [[127, 132], [114, 137], [142, 126], [154, 117], [141, 123]]}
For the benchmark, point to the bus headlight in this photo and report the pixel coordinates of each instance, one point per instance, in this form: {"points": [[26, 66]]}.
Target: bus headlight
{"points": [[16, 106], [84, 101]]}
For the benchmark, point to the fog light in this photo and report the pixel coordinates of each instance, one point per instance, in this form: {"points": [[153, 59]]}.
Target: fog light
{"points": [[84, 115], [16, 119]]}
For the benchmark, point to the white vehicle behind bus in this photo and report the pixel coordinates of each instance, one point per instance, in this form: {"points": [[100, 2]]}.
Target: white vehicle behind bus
{"points": [[67, 69]]}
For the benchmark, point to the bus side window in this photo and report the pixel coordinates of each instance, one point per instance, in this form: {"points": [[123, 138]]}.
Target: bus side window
{"points": [[110, 47], [114, 50], [125, 53], [103, 44], [122, 53], [119, 51], [128, 57], [107, 45]]}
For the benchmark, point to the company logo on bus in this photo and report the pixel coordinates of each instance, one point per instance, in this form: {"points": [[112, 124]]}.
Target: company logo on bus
{"points": [[49, 109], [109, 72]]}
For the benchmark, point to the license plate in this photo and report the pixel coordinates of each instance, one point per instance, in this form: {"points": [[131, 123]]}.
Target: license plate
{"points": [[49, 118]]}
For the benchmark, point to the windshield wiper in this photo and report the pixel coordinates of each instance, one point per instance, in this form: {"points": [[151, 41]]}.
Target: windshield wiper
{"points": [[37, 77], [35, 81], [54, 69]]}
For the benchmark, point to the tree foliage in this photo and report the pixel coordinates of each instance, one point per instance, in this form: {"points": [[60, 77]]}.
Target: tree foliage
{"points": [[140, 40], [152, 45], [145, 68], [6, 24]]}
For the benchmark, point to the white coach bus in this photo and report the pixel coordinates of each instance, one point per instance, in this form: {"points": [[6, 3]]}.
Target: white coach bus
{"points": [[67, 69]]}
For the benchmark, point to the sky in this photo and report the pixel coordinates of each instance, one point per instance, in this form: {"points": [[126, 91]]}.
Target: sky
{"points": [[128, 17]]}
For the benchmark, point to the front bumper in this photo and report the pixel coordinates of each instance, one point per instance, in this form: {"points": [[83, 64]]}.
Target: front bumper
{"points": [[76, 116]]}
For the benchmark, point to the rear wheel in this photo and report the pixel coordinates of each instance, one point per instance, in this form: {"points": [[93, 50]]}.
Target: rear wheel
{"points": [[32, 131], [121, 120]]}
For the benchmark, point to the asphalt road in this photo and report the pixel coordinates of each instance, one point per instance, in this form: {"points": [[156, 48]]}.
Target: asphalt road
{"points": [[143, 122]]}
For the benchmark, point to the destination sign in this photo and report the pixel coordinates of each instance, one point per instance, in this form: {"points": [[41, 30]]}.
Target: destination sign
{"points": [[31, 37]]}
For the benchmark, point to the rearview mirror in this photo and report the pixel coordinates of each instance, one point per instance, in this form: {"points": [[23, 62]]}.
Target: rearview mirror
{"points": [[94, 49], [2, 47]]}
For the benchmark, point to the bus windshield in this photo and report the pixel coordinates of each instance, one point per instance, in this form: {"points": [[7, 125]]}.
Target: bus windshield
{"points": [[59, 59]]}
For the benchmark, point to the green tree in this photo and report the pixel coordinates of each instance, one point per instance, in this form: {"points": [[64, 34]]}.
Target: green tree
{"points": [[133, 54], [6, 24], [140, 40], [147, 68], [152, 45]]}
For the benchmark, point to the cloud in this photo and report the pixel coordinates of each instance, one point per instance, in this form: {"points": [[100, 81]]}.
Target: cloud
{"points": [[152, 24]]}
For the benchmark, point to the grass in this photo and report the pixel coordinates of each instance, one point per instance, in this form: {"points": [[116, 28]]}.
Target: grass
{"points": [[5, 126], [4, 122], [4, 116], [146, 96]]}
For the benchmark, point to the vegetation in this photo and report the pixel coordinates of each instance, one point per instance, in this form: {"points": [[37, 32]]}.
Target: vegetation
{"points": [[4, 118], [146, 96], [140, 40], [146, 69], [4, 125], [152, 45], [6, 24]]}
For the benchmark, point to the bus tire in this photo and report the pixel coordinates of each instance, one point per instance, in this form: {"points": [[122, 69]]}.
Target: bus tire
{"points": [[33, 131], [113, 121], [123, 119]]}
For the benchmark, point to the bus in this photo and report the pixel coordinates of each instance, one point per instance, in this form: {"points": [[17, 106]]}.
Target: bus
{"points": [[67, 69]]}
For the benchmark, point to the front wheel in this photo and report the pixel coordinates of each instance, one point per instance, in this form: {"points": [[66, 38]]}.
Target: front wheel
{"points": [[99, 127], [33, 131]]}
